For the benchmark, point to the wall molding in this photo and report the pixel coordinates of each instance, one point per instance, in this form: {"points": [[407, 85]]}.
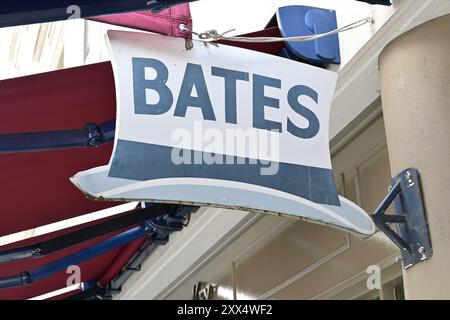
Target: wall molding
{"points": [[347, 246], [357, 166], [355, 286], [208, 257]]}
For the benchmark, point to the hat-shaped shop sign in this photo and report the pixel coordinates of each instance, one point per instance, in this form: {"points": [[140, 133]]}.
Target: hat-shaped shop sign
{"points": [[221, 126]]}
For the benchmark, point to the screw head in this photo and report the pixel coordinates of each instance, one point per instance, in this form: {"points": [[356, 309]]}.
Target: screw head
{"points": [[409, 179]]}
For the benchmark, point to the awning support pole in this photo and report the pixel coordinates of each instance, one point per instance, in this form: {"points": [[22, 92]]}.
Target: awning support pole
{"points": [[52, 245], [91, 135], [157, 229]]}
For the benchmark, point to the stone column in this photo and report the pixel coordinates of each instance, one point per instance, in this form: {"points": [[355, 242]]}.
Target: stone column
{"points": [[415, 91]]}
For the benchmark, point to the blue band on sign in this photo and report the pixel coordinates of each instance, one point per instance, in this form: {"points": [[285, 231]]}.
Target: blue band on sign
{"points": [[142, 161]]}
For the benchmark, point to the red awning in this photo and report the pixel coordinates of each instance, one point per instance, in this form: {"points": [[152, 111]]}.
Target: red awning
{"points": [[35, 188], [166, 22], [99, 268]]}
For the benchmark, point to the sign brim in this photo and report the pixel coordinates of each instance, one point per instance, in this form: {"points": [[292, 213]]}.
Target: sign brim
{"points": [[96, 184]]}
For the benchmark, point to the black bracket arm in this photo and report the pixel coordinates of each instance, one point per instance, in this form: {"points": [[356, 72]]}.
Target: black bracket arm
{"points": [[412, 236], [382, 2]]}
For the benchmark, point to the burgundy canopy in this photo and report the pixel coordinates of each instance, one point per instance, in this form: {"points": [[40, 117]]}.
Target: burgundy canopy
{"points": [[166, 22], [35, 188]]}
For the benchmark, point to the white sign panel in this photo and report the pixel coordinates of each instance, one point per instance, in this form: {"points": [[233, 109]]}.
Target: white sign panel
{"points": [[221, 126]]}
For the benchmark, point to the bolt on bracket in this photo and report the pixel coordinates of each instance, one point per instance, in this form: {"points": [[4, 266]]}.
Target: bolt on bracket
{"points": [[412, 236]]}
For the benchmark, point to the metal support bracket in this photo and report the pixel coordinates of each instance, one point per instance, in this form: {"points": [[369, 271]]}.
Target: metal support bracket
{"points": [[412, 235]]}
